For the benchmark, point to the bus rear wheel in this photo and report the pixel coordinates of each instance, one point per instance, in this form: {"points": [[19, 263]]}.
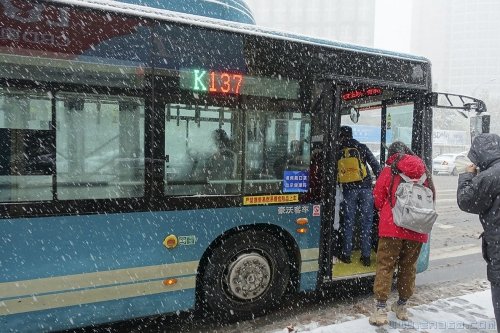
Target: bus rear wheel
{"points": [[246, 276]]}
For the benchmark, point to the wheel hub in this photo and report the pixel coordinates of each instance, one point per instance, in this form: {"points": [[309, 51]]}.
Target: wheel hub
{"points": [[248, 276]]}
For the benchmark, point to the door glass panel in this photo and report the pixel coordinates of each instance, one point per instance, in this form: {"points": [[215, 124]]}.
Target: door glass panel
{"points": [[398, 126], [202, 149], [400, 123], [367, 130]]}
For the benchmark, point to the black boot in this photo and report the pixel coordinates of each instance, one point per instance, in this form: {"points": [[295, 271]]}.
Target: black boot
{"points": [[345, 259], [365, 261]]}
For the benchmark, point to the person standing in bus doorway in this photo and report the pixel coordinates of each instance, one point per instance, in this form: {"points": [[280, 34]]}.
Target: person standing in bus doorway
{"points": [[357, 198], [397, 246], [479, 193]]}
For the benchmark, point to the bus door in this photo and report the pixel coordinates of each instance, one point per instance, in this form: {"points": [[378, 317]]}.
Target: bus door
{"points": [[377, 116]]}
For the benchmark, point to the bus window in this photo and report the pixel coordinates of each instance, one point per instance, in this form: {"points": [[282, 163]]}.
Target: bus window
{"points": [[398, 127], [203, 148], [399, 124], [276, 142], [367, 130], [100, 147], [27, 145]]}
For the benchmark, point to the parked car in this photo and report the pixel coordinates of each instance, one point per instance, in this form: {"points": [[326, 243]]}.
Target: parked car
{"points": [[445, 163]]}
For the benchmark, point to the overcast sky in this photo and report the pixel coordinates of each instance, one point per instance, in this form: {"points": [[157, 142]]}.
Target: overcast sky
{"points": [[393, 25]]}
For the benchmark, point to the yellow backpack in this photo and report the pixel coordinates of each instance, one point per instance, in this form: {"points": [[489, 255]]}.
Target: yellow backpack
{"points": [[350, 167]]}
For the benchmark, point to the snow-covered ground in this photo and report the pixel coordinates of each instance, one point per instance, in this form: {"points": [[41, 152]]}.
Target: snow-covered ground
{"points": [[462, 305], [437, 307], [468, 313]]}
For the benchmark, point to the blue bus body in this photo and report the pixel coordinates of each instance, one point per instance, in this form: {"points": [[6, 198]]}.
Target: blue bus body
{"points": [[76, 271]]}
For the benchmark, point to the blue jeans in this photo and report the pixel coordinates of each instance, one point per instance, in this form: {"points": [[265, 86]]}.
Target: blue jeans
{"points": [[357, 200]]}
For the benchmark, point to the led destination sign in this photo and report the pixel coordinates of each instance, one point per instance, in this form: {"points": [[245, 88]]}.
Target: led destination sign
{"points": [[361, 93], [226, 82], [216, 82]]}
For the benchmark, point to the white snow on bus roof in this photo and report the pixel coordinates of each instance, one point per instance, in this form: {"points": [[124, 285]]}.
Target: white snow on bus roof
{"points": [[161, 14]]}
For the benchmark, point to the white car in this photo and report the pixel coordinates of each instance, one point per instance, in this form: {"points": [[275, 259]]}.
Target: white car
{"points": [[445, 163]]}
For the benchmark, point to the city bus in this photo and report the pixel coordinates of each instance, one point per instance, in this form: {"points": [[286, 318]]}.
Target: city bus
{"points": [[153, 162]]}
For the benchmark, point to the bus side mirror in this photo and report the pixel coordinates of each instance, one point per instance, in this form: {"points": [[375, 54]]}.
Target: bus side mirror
{"points": [[479, 123], [354, 115]]}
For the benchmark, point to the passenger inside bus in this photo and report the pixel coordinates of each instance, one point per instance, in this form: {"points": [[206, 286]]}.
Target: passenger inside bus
{"points": [[222, 164], [315, 172], [292, 160]]}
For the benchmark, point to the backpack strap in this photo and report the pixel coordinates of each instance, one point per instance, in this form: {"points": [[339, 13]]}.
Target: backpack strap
{"points": [[405, 177], [422, 179], [392, 186], [390, 190]]}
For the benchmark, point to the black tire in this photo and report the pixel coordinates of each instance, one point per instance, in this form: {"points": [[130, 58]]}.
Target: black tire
{"points": [[246, 275], [454, 172]]}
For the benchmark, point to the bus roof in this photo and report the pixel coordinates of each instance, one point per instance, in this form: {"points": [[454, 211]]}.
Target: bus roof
{"points": [[228, 10], [162, 14]]}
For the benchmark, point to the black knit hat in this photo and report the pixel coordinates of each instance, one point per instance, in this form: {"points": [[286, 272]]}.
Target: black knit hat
{"points": [[345, 131]]}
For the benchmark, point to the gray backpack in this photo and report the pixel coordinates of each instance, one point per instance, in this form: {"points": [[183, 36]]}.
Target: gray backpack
{"points": [[414, 208]]}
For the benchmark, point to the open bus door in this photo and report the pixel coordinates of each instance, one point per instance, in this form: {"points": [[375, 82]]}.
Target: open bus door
{"points": [[395, 114], [368, 110]]}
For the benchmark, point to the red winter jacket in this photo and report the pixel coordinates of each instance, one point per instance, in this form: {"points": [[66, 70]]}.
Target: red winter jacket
{"points": [[413, 167]]}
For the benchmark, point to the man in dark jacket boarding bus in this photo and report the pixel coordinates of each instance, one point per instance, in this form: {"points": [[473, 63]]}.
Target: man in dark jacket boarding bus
{"points": [[478, 192]]}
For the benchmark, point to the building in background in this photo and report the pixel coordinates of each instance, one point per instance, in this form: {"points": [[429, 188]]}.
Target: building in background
{"points": [[350, 21], [431, 37], [460, 37]]}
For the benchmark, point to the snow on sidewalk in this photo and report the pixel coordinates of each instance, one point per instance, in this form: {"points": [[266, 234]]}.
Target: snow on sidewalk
{"points": [[468, 313]]}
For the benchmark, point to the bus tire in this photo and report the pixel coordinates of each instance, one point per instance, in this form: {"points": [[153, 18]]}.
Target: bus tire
{"points": [[246, 275]]}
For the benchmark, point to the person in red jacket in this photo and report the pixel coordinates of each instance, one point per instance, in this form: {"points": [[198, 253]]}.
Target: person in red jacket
{"points": [[397, 246]]}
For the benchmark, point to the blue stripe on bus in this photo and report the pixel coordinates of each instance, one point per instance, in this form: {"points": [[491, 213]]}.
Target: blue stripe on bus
{"points": [[88, 314]]}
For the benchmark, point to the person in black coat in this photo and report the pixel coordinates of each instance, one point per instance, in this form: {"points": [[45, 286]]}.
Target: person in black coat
{"points": [[358, 198], [478, 192]]}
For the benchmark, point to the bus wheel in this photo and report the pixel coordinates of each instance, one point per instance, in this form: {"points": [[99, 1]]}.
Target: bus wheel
{"points": [[246, 275]]}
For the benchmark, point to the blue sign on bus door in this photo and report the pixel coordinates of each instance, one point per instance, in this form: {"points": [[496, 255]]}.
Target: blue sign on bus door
{"points": [[296, 181]]}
